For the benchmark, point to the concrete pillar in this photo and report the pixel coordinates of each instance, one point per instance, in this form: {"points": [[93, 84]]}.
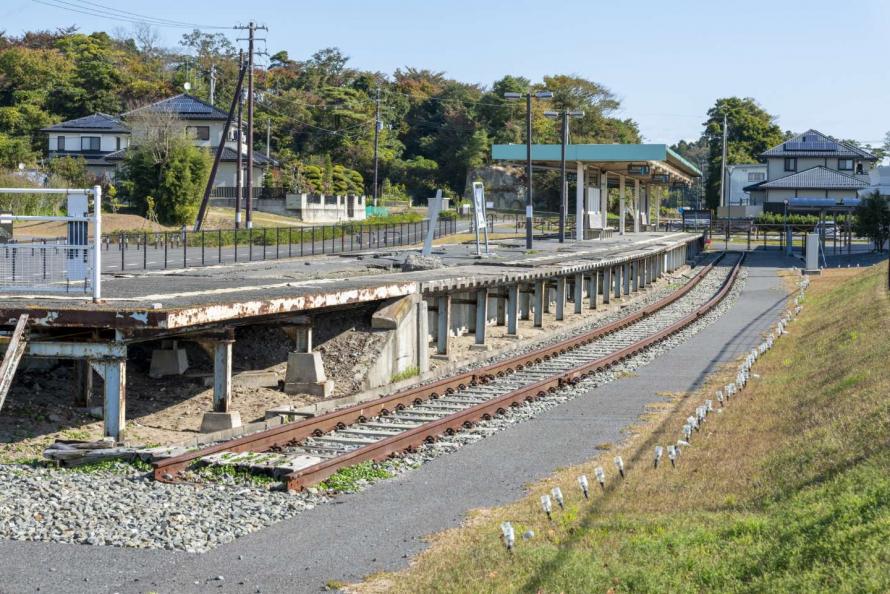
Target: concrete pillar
{"points": [[525, 306], [114, 409], [579, 293], [513, 310], [560, 298], [539, 303], [501, 308], [604, 200], [548, 298], [636, 206], [481, 315], [607, 284], [302, 335], [83, 375], [616, 273], [592, 287], [423, 336], [579, 205], [625, 277], [443, 309], [222, 375], [622, 207], [635, 276]]}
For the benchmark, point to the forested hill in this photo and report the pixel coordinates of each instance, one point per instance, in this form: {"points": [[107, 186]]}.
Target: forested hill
{"points": [[321, 110]]}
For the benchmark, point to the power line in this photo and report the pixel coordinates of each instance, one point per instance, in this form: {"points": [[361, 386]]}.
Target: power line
{"points": [[129, 14], [82, 9]]}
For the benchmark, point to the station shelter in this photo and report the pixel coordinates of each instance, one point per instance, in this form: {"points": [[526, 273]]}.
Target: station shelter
{"points": [[630, 168]]}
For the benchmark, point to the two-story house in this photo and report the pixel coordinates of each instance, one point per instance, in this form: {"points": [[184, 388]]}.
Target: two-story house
{"points": [[812, 166], [93, 137], [203, 123]]}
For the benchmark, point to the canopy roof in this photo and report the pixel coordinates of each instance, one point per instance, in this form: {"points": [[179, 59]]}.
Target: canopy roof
{"points": [[647, 162]]}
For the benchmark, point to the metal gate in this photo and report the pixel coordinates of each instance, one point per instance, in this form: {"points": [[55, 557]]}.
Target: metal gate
{"points": [[69, 265]]}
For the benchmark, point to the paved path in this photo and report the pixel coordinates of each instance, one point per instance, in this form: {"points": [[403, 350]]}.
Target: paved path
{"points": [[378, 528]]}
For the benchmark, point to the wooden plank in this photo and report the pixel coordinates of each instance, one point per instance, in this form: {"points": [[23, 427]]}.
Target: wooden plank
{"points": [[13, 355]]}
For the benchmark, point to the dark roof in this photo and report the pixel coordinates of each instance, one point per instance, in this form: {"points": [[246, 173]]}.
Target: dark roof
{"points": [[101, 122], [813, 143], [227, 155], [815, 178], [184, 106]]}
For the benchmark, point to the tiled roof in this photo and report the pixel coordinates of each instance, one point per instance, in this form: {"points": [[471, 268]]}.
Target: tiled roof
{"points": [[813, 143], [183, 106], [815, 178], [96, 122]]}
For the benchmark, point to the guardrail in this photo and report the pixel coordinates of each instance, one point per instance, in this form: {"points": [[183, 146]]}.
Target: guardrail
{"points": [[69, 265]]}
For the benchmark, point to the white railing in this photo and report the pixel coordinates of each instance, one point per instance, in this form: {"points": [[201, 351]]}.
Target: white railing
{"points": [[68, 266]]}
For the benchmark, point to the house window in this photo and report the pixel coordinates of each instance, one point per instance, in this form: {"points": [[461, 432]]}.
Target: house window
{"points": [[845, 164], [790, 164], [60, 143], [756, 176], [199, 132], [90, 143], [117, 143]]}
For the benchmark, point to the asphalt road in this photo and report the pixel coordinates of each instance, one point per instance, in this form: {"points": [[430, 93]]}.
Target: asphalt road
{"points": [[381, 527]]}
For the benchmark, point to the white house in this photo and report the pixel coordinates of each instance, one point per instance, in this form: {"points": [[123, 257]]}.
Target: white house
{"points": [[741, 176], [102, 140], [813, 166]]}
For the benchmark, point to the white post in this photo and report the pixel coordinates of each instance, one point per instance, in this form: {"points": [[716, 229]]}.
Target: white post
{"points": [[604, 201], [636, 205], [579, 207], [97, 244], [621, 205]]}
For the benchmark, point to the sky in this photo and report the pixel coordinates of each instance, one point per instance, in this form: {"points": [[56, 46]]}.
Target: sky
{"points": [[813, 64]]}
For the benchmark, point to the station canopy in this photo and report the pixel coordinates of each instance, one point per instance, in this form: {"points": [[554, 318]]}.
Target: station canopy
{"points": [[651, 164]]}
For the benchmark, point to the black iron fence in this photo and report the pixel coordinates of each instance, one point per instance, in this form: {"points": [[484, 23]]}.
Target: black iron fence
{"points": [[165, 250]]}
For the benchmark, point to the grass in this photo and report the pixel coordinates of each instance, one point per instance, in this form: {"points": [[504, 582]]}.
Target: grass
{"points": [[405, 374], [351, 478], [216, 472], [786, 490], [112, 466]]}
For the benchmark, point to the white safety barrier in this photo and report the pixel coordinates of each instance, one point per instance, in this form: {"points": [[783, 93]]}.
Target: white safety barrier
{"points": [[68, 265]]}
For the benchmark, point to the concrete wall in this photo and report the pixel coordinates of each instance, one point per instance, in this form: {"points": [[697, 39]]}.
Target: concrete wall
{"points": [[315, 208], [399, 351]]}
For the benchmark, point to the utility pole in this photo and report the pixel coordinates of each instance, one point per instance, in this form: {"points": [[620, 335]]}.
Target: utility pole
{"points": [[251, 31], [564, 114], [723, 180], [212, 84], [268, 142], [377, 124], [239, 165]]}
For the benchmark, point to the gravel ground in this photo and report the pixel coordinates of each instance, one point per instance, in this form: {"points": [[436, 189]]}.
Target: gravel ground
{"points": [[127, 509]]}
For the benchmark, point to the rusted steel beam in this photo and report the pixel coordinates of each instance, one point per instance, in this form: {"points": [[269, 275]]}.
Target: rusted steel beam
{"points": [[299, 430]]}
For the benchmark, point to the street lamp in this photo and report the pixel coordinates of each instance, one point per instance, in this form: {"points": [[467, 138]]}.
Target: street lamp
{"points": [[528, 144], [565, 114], [785, 231]]}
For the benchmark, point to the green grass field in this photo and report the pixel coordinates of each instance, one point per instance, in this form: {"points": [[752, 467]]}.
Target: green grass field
{"points": [[788, 490]]}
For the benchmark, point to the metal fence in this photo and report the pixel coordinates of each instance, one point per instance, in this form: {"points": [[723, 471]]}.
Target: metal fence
{"points": [[68, 265], [182, 249]]}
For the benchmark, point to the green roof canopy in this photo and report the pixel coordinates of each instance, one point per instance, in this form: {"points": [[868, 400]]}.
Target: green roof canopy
{"points": [[612, 158]]}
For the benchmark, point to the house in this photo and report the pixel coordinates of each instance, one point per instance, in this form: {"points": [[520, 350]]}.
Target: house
{"points": [[812, 167], [740, 177], [102, 140], [92, 137]]}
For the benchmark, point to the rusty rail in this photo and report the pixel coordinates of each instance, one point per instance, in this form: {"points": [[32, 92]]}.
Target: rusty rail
{"points": [[282, 435]]}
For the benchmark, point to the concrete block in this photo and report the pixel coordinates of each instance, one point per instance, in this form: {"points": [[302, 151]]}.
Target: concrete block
{"points": [[256, 379], [305, 375], [168, 362], [480, 347], [220, 421], [393, 311]]}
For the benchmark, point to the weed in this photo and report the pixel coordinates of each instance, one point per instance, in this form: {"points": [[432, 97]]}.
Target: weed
{"points": [[350, 478], [405, 374]]}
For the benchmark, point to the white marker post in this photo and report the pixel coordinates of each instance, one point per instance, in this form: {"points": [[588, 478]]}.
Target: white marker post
{"points": [[479, 216], [435, 207]]}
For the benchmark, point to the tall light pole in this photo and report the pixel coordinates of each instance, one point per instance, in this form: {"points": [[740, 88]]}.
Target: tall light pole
{"points": [[528, 154], [723, 181], [565, 114], [377, 126]]}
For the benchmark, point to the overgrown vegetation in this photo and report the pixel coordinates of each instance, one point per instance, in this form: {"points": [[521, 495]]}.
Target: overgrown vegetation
{"points": [[352, 477], [873, 219], [216, 472], [409, 372], [787, 490]]}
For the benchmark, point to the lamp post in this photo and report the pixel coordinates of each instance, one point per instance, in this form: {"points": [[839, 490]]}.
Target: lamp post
{"points": [[785, 230], [528, 154], [565, 114]]}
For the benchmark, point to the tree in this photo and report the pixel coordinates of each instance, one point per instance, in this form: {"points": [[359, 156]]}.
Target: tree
{"points": [[872, 219], [752, 130], [71, 170]]}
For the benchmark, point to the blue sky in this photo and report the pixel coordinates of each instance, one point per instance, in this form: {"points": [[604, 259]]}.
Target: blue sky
{"points": [[815, 64]]}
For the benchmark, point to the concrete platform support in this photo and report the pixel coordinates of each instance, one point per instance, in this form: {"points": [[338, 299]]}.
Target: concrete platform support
{"points": [[525, 299], [83, 377], [625, 277], [114, 409], [616, 289], [607, 285], [548, 297], [423, 336], [501, 309], [481, 316], [592, 288], [513, 310], [635, 276], [305, 375], [560, 298], [443, 326], [540, 287], [168, 360], [578, 291], [222, 376]]}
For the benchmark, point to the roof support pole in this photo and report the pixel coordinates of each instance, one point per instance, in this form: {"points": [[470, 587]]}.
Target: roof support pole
{"points": [[604, 201], [637, 206], [580, 220], [622, 206]]}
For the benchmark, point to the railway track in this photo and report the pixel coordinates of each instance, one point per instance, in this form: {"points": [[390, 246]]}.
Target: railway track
{"points": [[308, 451]]}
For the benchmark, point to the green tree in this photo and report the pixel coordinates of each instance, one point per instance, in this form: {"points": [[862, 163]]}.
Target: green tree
{"points": [[14, 151], [175, 175], [752, 130], [71, 170], [872, 219]]}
